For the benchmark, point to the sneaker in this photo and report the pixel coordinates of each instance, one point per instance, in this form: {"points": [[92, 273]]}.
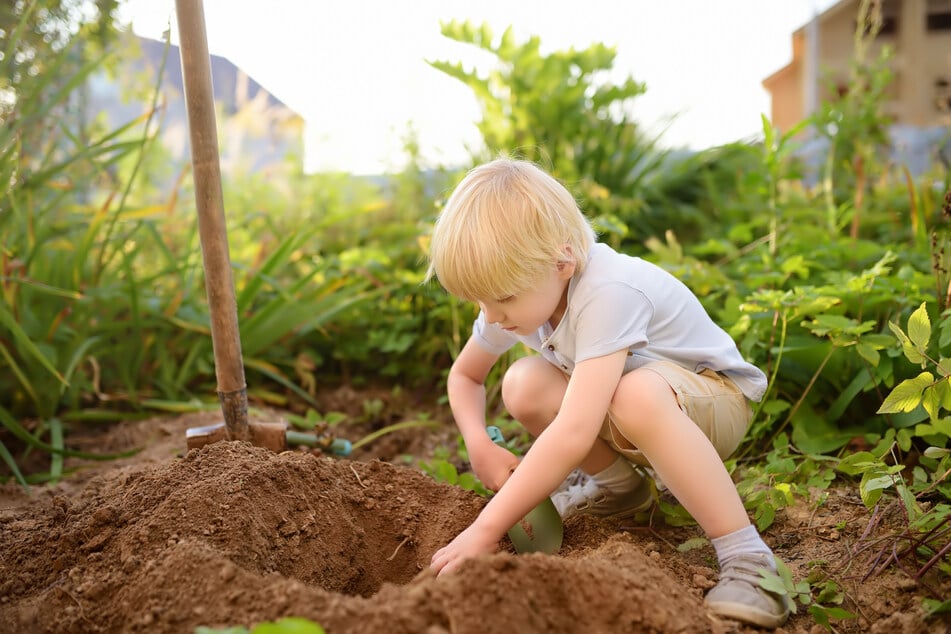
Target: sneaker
{"points": [[587, 497], [739, 596]]}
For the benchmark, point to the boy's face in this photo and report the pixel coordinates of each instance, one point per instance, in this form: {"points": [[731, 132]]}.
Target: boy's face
{"points": [[525, 313]]}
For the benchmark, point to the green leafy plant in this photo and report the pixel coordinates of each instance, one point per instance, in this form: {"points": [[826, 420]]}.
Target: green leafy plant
{"points": [[922, 498], [823, 597], [287, 625], [559, 110], [774, 482], [442, 470]]}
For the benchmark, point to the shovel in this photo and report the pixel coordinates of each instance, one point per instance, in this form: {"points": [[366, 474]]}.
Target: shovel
{"points": [[544, 531], [219, 285]]}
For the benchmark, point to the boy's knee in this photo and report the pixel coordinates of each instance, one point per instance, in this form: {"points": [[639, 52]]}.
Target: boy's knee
{"points": [[525, 380], [641, 396]]}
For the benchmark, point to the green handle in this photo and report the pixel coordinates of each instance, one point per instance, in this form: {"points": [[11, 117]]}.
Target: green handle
{"points": [[338, 446], [496, 435]]}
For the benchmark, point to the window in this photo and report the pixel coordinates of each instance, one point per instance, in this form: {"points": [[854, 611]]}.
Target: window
{"points": [[939, 15], [889, 25], [939, 21], [942, 94]]}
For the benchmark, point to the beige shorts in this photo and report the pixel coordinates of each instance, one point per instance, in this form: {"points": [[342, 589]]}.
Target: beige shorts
{"points": [[710, 399]]}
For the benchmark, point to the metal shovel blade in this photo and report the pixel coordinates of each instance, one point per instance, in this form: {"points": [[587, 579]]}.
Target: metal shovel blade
{"points": [[541, 531]]}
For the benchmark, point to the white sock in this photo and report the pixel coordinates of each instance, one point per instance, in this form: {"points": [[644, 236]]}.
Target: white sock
{"points": [[620, 477], [746, 541]]}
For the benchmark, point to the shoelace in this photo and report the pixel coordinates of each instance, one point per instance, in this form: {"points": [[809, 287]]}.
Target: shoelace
{"points": [[583, 494]]}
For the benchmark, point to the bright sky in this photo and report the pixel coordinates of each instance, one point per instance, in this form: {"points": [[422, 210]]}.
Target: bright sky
{"points": [[356, 70]]}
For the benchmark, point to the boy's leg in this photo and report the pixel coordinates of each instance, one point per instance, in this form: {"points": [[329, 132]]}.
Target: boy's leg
{"points": [[646, 411], [533, 391], [649, 414], [609, 485]]}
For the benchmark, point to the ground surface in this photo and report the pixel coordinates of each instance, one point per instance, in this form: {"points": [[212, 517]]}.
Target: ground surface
{"points": [[232, 534]]}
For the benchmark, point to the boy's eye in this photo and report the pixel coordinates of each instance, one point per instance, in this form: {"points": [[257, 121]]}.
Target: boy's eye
{"points": [[506, 299]]}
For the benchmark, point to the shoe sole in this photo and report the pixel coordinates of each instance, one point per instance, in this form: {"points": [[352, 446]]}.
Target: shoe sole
{"points": [[746, 614]]}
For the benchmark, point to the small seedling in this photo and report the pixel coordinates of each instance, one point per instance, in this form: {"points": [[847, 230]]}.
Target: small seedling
{"points": [[782, 583]]}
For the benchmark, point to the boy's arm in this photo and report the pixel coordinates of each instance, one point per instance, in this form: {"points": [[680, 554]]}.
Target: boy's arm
{"points": [[466, 389], [559, 449]]}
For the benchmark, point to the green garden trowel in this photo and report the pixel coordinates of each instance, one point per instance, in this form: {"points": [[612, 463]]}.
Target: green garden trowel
{"points": [[541, 530]]}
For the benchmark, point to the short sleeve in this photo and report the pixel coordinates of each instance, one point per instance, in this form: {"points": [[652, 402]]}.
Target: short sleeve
{"points": [[490, 336]]}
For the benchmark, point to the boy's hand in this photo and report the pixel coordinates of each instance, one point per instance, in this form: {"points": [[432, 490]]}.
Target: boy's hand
{"points": [[471, 542], [492, 464]]}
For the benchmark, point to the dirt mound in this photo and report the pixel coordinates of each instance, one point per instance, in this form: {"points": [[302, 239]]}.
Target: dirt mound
{"points": [[233, 534], [236, 534]]}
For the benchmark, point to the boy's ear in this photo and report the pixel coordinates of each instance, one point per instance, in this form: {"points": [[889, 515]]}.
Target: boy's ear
{"points": [[566, 267]]}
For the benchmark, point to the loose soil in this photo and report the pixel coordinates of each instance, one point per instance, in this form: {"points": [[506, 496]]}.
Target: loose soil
{"points": [[231, 534]]}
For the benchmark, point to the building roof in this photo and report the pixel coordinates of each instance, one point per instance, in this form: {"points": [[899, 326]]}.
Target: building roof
{"points": [[799, 37], [225, 76]]}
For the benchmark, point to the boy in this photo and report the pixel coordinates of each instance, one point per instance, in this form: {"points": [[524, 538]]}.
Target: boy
{"points": [[631, 370]]}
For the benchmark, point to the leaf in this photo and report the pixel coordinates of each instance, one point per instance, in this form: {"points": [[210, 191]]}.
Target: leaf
{"points": [[20, 336], [912, 354], [943, 426], [446, 472], [908, 499], [776, 406], [773, 583], [786, 490], [796, 265], [861, 380], [933, 396], [903, 437], [815, 434], [935, 606], [675, 514], [782, 570], [825, 324], [858, 462], [765, 514], [868, 353], [693, 543], [919, 327], [12, 465], [907, 395], [907, 347], [822, 614], [819, 616], [784, 465], [872, 486]]}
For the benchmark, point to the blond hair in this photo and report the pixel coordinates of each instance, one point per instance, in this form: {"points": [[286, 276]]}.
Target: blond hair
{"points": [[505, 226]]}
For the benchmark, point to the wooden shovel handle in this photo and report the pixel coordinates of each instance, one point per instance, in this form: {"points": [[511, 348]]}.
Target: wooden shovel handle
{"points": [[219, 285]]}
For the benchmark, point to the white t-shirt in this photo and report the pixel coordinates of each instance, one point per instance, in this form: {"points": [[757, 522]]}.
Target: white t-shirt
{"points": [[622, 302]]}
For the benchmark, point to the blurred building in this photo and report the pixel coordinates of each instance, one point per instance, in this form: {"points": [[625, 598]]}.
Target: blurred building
{"points": [[919, 31], [918, 98], [257, 132]]}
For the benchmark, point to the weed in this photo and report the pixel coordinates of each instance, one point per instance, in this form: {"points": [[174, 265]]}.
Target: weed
{"points": [[442, 470], [822, 597]]}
